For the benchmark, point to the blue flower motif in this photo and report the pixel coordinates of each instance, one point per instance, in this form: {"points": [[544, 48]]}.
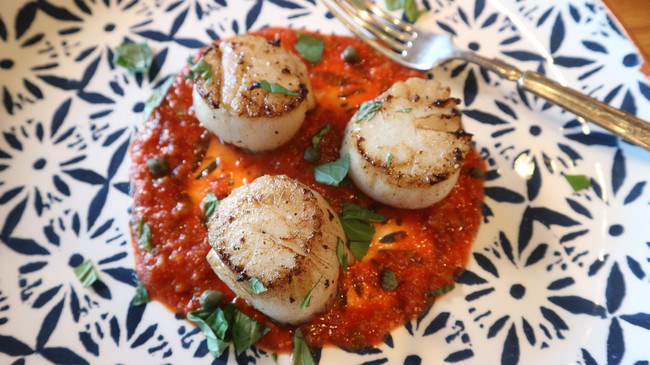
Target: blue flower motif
{"points": [[600, 69], [21, 58], [54, 148], [40, 291], [465, 30], [537, 310]]}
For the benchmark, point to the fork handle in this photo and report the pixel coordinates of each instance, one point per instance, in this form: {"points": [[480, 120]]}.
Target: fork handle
{"points": [[623, 124]]}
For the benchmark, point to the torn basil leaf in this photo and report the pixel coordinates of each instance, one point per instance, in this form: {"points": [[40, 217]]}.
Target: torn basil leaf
{"points": [[220, 325], [86, 273], [305, 302], [316, 138], [145, 236], [357, 230], [135, 57], [310, 47], [367, 110], [313, 152], [354, 211], [359, 249], [157, 96], [332, 173], [341, 253], [209, 205], [394, 4], [301, 355], [578, 182], [389, 159], [355, 221], [203, 69], [256, 286], [411, 10], [441, 290], [211, 322], [275, 88], [246, 332], [141, 295]]}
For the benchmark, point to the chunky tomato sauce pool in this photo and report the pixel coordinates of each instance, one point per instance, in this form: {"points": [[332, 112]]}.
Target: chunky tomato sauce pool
{"points": [[425, 249]]}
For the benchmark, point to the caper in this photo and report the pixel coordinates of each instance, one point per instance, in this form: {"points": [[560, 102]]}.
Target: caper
{"points": [[210, 299], [388, 280], [477, 173], [312, 154], [350, 54], [158, 166]]}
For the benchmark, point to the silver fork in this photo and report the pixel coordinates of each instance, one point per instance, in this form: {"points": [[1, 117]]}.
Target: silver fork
{"points": [[423, 50]]}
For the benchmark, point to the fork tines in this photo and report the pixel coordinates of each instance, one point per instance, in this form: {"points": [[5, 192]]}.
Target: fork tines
{"points": [[370, 23]]}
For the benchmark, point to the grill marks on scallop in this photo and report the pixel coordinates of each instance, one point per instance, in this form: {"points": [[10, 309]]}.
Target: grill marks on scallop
{"points": [[236, 107], [279, 231], [409, 154]]}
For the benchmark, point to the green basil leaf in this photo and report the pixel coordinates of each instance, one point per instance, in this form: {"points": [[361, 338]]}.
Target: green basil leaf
{"points": [[275, 88], [135, 57], [300, 354], [357, 230], [157, 96], [312, 153], [145, 236], [141, 295], [411, 10], [310, 47], [367, 110], [359, 234], [354, 211], [216, 345], [203, 69], [333, 173], [404, 110], [578, 182], [341, 253], [389, 280], [209, 205], [86, 273], [256, 286], [190, 75], [359, 249], [389, 159], [442, 290], [246, 332], [316, 138], [394, 4], [305, 302], [219, 323]]}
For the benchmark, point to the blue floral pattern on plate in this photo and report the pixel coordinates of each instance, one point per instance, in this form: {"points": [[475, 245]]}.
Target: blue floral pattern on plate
{"points": [[556, 276]]}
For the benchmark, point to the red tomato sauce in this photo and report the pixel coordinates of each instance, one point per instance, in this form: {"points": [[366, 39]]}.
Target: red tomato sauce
{"points": [[431, 249]]}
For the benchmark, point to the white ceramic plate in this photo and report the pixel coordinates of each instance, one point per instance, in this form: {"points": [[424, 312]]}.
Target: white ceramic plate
{"points": [[556, 277]]}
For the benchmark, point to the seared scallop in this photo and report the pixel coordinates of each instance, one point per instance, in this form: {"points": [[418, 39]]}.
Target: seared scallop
{"points": [[406, 146], [230, 100], [274, 244]]}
